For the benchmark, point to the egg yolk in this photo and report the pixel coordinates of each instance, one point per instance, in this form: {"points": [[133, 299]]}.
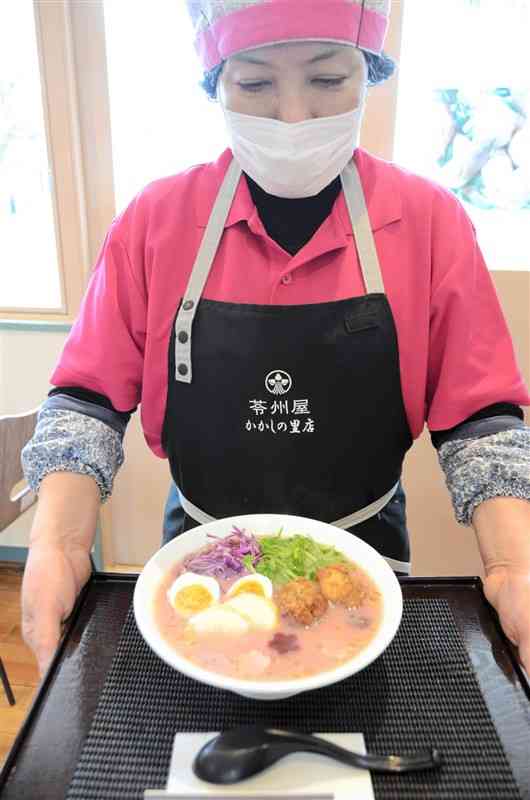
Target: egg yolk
{"points": [[249, 587], [192, 599]]}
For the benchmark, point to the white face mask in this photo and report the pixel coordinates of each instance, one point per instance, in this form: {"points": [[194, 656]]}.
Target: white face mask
{"points": [[294, 159]]}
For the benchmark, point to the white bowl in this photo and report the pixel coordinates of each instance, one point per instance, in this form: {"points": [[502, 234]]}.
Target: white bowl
{"points": [[265, 524]]}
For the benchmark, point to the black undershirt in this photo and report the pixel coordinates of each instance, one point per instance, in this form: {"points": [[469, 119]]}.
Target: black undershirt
{"points": [[292, 223]]}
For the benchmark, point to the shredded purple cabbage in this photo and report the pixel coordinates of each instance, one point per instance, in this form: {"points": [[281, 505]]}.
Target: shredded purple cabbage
{"points": [[224, 559]]}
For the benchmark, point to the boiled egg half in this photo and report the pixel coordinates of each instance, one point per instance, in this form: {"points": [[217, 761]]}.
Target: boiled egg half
{"points": [[251, 584], [190, 594]]}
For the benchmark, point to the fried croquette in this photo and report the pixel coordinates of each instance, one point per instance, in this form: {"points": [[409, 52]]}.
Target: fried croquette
{"points": [[302, 600], [339, 584]]}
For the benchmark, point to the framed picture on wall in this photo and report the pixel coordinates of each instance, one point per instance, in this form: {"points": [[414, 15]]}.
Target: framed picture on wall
{"points": [[464, 114]]}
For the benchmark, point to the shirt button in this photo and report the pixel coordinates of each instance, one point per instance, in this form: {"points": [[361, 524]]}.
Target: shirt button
{"points": [[183, 370], [287, 279], [188, 305], [183, 337]]}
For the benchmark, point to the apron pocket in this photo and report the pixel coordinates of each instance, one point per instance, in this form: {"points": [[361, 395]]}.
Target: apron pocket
{"points": [[358, 325]]}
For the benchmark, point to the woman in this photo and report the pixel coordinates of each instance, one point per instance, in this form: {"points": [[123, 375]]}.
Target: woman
{"points": [[289, 317]]}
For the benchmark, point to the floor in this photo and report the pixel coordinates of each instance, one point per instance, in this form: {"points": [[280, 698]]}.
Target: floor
{"points": [[18, 659]]}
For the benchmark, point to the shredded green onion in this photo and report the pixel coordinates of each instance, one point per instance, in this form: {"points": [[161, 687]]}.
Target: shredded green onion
{"points": [[290, 557]]}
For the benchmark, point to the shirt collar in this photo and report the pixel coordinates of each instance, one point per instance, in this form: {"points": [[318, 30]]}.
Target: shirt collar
{"points": [[242, 206], [381, 191]]}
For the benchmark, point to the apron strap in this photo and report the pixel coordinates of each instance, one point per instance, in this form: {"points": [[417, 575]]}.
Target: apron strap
{"points": [[356, 518], [199, 274], [368, 511], [363, 236], [364, 240]]}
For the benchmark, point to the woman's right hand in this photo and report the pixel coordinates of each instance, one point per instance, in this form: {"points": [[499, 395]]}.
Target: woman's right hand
{"points": [[53, 578], [58, 564]]}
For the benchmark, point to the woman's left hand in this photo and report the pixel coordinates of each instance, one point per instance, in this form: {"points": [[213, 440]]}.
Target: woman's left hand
{"points": [[508, 591]]}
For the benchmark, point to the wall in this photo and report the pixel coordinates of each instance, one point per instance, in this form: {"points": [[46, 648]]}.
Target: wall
{"points": [[27, 358], [138, 503], [26, 361], [134, 515], [441, 546]]}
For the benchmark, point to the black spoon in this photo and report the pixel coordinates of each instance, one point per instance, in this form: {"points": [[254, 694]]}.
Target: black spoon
{"points": [[242, 752]]}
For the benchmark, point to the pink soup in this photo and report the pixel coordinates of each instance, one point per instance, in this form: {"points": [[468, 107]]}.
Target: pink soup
{"points": [[336, 637]]}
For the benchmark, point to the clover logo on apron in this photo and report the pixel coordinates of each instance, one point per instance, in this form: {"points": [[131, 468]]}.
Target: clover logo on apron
{"points": [[278, 382]]}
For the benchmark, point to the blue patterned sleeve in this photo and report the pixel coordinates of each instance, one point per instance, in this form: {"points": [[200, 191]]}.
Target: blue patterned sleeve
{"points": [[477, 469], [69, 441]]}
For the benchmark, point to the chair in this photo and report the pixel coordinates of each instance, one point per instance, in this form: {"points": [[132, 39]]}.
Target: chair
{"points": [[15, 432]]}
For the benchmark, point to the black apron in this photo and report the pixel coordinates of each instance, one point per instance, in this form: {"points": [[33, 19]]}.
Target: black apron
{"points": [[290, 409]]}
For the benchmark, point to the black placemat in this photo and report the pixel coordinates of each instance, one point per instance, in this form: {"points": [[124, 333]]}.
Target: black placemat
{"points": [[421, 692]]}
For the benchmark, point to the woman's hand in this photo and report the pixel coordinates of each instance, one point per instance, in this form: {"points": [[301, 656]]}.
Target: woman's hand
{"points": [[58, 564], [508, 591], [502, 525], [53, 578]]}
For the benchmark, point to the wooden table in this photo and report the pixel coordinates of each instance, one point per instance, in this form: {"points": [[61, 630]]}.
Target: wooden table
{"points": [[46, 751]]}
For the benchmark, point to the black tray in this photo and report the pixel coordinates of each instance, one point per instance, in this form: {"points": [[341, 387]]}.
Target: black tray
{"points": [[452, 674]]}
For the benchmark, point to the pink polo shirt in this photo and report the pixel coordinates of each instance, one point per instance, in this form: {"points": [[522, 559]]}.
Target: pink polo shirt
{"points": [[456, 355]]}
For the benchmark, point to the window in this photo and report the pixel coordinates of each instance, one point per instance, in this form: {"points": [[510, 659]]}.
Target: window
{"points": [[46, 236], [28, 246], [464, 114], [161, 121]]}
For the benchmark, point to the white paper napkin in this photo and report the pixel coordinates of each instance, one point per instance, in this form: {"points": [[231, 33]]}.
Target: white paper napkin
{"points": [[296, 775]]}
